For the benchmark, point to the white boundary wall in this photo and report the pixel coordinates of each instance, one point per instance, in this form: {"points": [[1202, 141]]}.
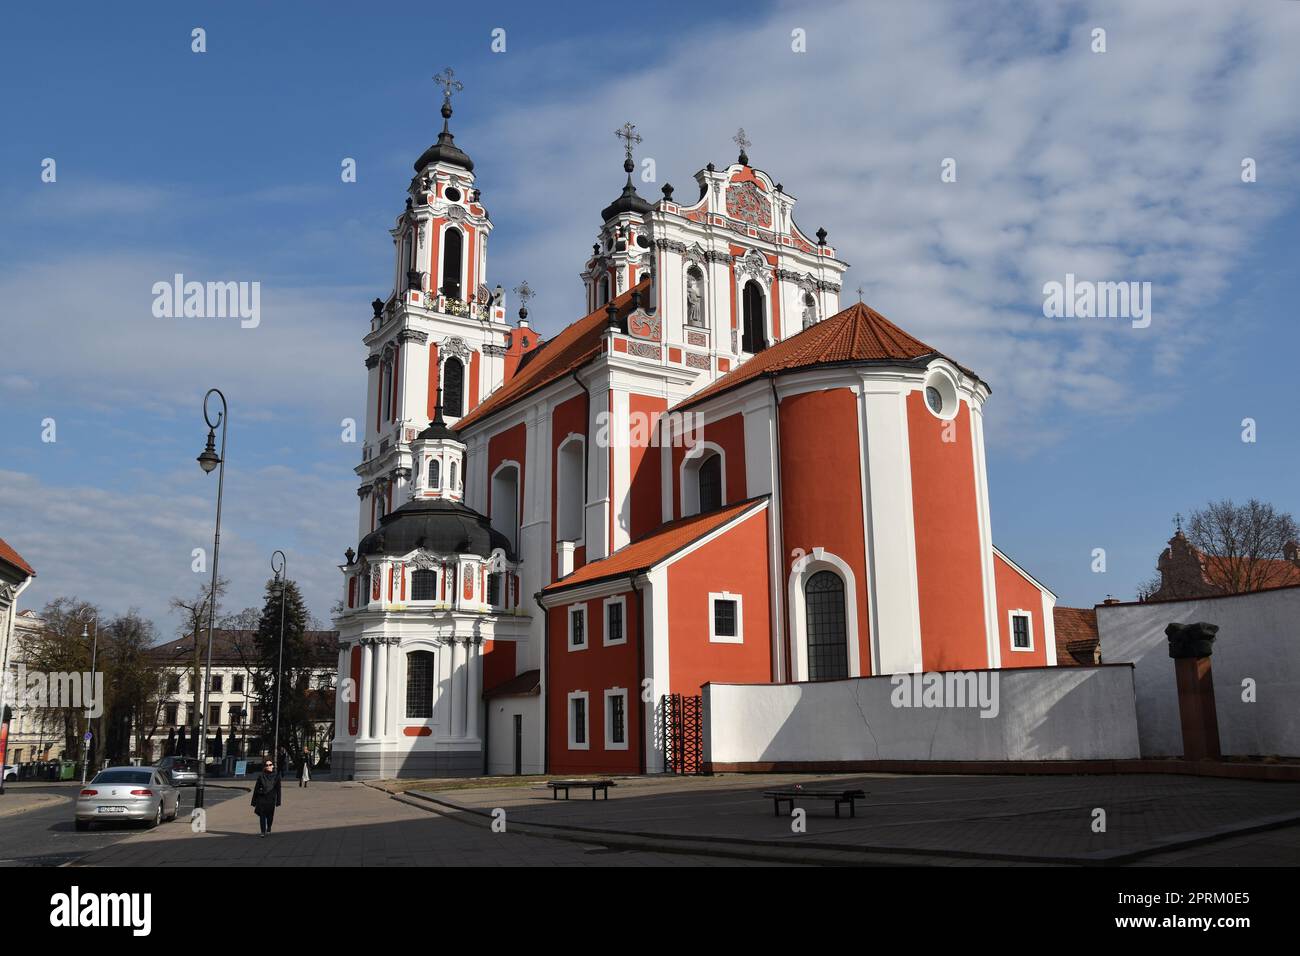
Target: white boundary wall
{"points": [[1259, 639], [1043, 713]]}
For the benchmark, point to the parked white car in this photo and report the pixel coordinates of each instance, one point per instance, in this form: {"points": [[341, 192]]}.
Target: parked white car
{"points": [[117, 794]]}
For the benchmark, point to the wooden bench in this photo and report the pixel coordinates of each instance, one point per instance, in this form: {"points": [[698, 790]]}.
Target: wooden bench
{"points": [[839, 796], [558, 785]]}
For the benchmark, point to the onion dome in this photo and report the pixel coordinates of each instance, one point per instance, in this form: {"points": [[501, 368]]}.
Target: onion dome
{"points": [[445, 149], [437, 525]]}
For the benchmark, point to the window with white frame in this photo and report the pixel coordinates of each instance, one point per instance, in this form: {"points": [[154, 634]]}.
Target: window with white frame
{"points": [[725, 622], [615, 620], [1022, 631], [616, 718], [435, 474], [578, 721], [577, 627], [569, 467]]}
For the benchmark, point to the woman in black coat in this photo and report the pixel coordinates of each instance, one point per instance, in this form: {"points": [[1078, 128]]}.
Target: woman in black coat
{"points": [[266, 796]]}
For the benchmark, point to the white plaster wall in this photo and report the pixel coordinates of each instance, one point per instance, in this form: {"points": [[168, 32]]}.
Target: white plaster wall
{"points": [[1259, 639], [501, 734], [1068, 713]]}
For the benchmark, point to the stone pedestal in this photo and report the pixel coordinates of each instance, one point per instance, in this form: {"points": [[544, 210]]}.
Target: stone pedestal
{"points": [[1190, 646]]}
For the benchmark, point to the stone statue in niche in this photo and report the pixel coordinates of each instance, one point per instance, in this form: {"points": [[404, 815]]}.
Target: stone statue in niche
{"points": [[809, 311], [694, 298]]}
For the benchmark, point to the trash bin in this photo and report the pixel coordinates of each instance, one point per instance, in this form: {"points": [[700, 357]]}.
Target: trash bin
{"points": [[68, 770]]}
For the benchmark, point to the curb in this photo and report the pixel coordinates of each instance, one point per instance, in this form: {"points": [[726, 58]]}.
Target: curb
{"points": [[43, 800]]}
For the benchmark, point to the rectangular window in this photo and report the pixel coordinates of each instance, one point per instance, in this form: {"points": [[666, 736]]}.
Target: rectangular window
{"points": [[616, 719], [169, 714], [237, 683], [614, 609], [725, 620], [578, 721], [577, 627], [214, 715], [494, 589], [1022, 632], [423, 585], [174, 684], [216, 683]]}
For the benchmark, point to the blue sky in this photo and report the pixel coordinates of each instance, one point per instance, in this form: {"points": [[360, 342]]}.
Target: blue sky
{"points": [[1118, 166]]}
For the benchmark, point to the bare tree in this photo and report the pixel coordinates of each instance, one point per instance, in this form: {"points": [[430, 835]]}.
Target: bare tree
{"points": [[1243, 545], [57, 648], [194, 623]]}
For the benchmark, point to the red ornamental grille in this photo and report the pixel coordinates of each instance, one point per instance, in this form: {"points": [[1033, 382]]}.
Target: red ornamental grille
{"points": [[682, 733]]}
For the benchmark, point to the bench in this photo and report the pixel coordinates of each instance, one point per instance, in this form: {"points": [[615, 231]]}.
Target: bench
{"points": [[839, 796], [558, 785]]}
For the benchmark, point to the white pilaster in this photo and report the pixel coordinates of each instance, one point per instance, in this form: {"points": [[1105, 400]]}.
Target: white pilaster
{"points": [[366, 689]]}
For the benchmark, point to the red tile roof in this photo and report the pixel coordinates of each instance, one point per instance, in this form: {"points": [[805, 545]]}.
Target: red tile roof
{"points": [[527, 684], [1275, 571], [1076, 635], [856, 334], [13, 557], [645, 553], [556, 357]]}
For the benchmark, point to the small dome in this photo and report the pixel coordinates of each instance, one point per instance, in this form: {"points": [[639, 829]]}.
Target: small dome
{"points": [[435, 524], [445, 149]]}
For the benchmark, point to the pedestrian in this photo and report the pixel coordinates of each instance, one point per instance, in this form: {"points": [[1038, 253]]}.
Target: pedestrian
{"points": [[304, 774], [284, 762], [266, 796]]}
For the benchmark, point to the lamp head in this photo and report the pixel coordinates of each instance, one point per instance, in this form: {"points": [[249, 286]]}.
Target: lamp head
{"points": [[209, 459]]}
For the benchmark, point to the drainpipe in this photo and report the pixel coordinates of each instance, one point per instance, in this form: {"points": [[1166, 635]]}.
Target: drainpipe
{"points": [[546, 687], [783, 651], [640, 673]]}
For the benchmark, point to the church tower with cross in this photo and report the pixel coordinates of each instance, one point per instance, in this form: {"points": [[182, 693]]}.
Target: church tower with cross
{"points": [[715, 475]]}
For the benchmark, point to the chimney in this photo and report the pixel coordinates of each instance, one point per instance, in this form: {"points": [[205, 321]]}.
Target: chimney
{"points": [[1190, 646]]}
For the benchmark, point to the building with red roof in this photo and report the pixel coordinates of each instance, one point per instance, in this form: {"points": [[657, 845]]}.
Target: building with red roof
{"points": [[715, 474]]}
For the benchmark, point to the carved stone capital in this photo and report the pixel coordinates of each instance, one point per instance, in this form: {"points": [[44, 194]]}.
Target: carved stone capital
{"points": [[372, 360], [413, 335]]}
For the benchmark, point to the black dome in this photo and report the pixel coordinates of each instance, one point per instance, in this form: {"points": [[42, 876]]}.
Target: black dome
{"points": [[444, 527], [445, 150], [629, 201]]}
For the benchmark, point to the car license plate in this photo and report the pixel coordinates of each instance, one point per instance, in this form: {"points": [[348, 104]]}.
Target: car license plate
{"points": [[111, 809]]}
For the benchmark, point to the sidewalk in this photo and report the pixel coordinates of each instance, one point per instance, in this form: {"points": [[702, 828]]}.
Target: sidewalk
{"points": [[946, 820], [351, 824], [14, 803]]}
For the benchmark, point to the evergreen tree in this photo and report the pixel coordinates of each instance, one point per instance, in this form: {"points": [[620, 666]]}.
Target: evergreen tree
{"points": [[292, 672]]}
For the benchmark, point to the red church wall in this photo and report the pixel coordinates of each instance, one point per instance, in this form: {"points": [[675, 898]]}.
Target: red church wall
{"points": [[473, 381], [821, 490], [729, 435], [1017, 594], [354, 705], [509, 445], [646, 473], [594, 669], [734, 562], [498, 662], [950, 576], [569, 417]]}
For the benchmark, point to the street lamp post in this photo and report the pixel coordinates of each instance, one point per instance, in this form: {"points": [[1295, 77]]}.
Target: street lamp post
{"points": [[88, 614], [208, 460], [283, 583]]}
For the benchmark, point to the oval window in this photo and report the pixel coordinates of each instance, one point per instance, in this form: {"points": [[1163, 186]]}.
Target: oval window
{"points": [[452, 193], [934, 399]]}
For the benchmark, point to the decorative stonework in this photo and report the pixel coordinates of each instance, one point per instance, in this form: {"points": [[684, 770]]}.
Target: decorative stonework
{"points": [[494, 350], [372, 361], [642, 326], [454, 345], [697, 360], [746, 202], [413, 335], [644, 350], [723, 257], [696, 338], [672, 245], [754, 264]]}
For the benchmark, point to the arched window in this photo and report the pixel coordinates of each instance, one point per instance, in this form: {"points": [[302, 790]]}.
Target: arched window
{"points": [[603, 295], [709, 476], [380, 504], [809, 310], [569, 491], [424, 585], [435, 474], [452, 245], [505, 504], [452, 483], [828, 650], [386, 390], [419, 685], [754, 330], [453, 387]]}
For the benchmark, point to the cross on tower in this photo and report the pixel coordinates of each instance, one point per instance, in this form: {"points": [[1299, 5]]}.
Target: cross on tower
{"points": [[525, 292], [628, 134], [742, 142], [1178, 522], [447, 80], [859, 293]]}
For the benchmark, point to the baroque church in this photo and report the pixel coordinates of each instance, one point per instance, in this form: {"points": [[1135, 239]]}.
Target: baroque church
{"points": [[717, 474]]}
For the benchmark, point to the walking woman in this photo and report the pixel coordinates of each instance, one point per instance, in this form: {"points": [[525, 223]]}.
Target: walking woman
{"points": [[304, 773], [266, 796]]}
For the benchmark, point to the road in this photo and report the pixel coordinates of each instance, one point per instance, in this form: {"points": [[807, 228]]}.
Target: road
{"points": [[45, 836]]}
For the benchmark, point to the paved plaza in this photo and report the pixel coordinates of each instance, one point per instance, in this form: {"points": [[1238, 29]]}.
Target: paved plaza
{"points": [[1156, 820]]}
